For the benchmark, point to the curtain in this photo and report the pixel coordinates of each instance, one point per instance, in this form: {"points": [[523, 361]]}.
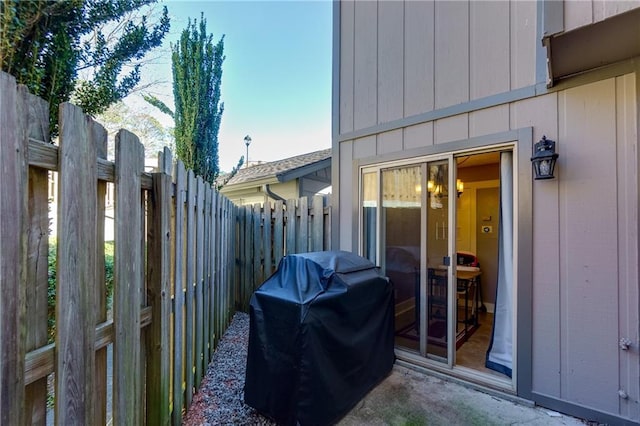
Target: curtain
{"points": [[500, 352]]}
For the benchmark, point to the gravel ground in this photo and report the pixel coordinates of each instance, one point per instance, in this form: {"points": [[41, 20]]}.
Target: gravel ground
{"points": [[220, 399]]}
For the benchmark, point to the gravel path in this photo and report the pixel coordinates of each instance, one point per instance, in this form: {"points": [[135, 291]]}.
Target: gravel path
{"points": [[220, 399]]}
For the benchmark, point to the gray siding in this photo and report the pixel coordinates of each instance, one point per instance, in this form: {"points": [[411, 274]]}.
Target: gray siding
{"points": [[585, 242], [418, 57], [399, 59], [581, 13]]}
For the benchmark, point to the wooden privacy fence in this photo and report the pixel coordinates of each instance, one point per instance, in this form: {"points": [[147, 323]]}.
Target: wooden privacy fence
{"points": [[270, 231], [185, 258], [174, 268]]}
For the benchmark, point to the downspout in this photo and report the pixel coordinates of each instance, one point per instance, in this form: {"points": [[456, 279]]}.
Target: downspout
{"points": [[270, 193]]}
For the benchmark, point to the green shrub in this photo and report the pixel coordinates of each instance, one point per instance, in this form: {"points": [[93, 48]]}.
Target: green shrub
{"points": [[51, 291], [51, 284]]}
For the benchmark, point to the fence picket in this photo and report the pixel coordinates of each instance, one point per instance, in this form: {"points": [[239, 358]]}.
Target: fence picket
{"points": [[278, 233], [257, 248], [37, 256], [232, 213], [199, 282], [213, 265], [224, 220], [178, 296], [290, 227], [217, 208], [247, 283], [317, 222], [303, 227], [128, 270], [75, 315], [159, 291], [206, 320], [13, 203], [267, 241], [190, 284], [100, 392]]}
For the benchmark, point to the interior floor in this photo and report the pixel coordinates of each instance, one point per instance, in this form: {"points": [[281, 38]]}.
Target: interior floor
{"points": [[471, 353]]}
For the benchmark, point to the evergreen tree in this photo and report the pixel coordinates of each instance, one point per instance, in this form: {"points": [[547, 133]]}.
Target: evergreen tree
{"points": [[197, 74], [46, 44]]}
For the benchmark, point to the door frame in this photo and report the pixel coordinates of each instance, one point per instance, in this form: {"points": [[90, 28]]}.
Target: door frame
{"points": [[520, 141]]}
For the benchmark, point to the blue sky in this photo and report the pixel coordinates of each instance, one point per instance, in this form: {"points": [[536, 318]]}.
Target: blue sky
{"points": [[276, 83]]}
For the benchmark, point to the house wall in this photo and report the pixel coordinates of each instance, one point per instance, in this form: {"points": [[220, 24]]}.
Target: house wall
{"points": [[580, 13], [255, 195], [415, 74]]}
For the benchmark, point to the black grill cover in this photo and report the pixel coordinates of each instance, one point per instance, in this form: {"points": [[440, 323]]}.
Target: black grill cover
{"points": [[321, 337]]}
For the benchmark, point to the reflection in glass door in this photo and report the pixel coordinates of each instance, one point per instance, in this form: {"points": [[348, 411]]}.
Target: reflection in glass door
{"points": [[401, 242]]}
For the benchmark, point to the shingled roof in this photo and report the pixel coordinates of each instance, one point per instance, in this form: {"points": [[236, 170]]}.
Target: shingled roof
{"points": [[284, 170]]}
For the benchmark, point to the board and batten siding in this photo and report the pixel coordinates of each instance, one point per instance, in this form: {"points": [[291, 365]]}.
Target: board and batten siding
{"points": [[585, 263], [585, 289], [399, 59], [585, 257], [585, 12]]}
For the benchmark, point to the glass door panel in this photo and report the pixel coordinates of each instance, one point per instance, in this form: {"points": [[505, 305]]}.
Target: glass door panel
{"points": [[437, 292], [370, 216], [401, 241]]}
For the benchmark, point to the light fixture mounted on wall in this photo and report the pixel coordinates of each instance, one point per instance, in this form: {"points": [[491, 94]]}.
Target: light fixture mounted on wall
{"points": [[544, 158], [459, 187]]}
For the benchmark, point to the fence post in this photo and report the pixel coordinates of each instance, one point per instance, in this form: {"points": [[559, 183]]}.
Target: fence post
{"points": [[127, 274], [76, 263], [13, 209], [159, 296]]}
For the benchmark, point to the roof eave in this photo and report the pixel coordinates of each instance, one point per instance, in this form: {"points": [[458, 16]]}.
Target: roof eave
{"points": [[303, 171]]}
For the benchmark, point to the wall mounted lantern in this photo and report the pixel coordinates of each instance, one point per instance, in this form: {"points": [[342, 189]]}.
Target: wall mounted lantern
{"points": [[459, 187], [544, 158]]}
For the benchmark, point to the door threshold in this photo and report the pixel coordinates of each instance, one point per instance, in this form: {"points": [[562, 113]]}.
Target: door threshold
{"points": [[502, 388]]}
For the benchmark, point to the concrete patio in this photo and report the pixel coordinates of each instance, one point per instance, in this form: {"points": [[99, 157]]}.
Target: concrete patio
{"points": [[409, 397]]}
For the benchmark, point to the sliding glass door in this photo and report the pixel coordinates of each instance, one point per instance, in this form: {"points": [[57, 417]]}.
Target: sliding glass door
{"points": [[438, 244], [414, 228]]}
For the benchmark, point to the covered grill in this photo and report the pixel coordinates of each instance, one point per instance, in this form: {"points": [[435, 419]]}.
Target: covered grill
{"points": [[321, 336]]}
